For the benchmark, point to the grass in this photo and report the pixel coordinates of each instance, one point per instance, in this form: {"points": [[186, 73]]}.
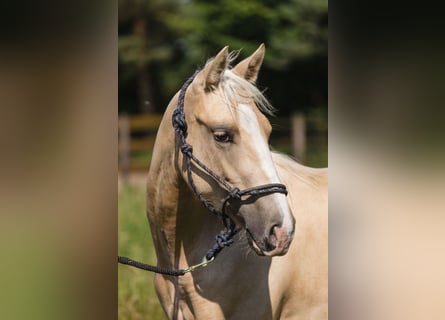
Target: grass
{"points": [[136, 296]]}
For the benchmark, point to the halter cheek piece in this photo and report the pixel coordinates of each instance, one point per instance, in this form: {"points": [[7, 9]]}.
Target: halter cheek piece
{"points": [[234, 195], [225, 237]]}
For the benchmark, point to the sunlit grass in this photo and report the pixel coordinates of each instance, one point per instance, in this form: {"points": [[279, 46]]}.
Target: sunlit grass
{"points": [[136, 296]]}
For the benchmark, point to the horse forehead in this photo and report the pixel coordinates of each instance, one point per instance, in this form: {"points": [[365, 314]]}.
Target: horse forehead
{"points": [[213, 106], [244, 116], [251, 119]]}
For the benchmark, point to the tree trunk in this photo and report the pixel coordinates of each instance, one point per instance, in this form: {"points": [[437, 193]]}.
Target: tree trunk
{"points": [[144, 82], [144, 90]]}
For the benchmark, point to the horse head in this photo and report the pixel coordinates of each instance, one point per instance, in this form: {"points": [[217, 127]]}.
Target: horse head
{"points": [[229, 133]]}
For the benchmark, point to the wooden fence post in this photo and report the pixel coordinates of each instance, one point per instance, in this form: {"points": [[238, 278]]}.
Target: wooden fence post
{"points": [[298, 125], [124, 145]]}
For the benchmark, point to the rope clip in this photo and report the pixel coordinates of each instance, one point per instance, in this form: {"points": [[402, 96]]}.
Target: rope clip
{"points": [[203, 264]]}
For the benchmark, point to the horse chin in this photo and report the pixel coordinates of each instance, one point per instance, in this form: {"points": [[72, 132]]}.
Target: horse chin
{"points": [[253, 245]]}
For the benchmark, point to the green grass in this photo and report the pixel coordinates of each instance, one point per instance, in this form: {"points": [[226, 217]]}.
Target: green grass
{"points": [[136, 296]]}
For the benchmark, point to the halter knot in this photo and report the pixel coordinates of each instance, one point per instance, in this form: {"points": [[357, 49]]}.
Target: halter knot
{"points": [[178, 121], [223, 239], [234, 193], [186, 149]]}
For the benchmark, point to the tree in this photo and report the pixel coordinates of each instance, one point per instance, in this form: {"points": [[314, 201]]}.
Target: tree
{"points": [[142, 43], [182, 34]]}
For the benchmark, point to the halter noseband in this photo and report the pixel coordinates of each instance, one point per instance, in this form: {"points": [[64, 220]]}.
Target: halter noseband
{"points": [[225, 237]]}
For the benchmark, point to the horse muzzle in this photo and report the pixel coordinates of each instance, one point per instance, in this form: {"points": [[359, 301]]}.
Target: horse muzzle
{"points": [[277, 243]]}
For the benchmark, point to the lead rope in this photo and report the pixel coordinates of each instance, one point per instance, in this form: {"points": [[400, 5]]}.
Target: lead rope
{"points": [[169, 272], [225, 237]]}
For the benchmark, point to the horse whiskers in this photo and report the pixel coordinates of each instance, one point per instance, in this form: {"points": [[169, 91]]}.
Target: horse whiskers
{"points": [[243, 245]]}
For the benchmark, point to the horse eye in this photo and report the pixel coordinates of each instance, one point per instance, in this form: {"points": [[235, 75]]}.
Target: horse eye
{"points": [[223, 136]]}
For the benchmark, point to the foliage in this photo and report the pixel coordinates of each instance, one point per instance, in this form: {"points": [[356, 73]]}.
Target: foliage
{"points": [[180, 35]]}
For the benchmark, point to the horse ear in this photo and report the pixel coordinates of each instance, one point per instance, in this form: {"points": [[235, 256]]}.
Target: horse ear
{"points": [[249, 67], [212, 73]]}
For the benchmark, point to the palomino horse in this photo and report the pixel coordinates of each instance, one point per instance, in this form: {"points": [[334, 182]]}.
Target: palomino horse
{"points": [[287, 277]]}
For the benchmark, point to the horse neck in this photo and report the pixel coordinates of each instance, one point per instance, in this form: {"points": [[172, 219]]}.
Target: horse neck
{"points": [[180, 224]]}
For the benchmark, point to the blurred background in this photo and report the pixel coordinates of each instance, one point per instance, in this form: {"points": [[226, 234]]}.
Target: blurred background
{"points": [[160, 44]]}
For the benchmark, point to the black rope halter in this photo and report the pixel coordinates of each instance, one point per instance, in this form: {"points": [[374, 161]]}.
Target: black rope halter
{"points": [[225, 237]]}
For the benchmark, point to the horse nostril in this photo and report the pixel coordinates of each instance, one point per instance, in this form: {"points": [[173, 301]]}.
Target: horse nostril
{"points": [[271, 241], [272, 230]]}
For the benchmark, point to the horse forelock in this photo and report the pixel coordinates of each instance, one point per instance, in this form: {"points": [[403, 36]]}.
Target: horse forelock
{"points": [[235, 90]]}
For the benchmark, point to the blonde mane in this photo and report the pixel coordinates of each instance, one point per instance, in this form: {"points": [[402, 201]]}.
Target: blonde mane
{"points": [[293, 171]]}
